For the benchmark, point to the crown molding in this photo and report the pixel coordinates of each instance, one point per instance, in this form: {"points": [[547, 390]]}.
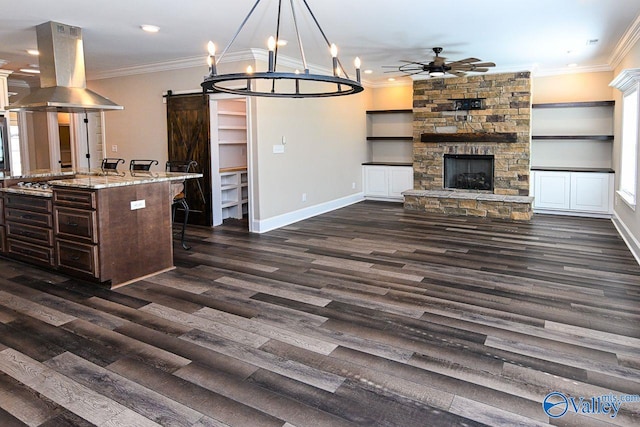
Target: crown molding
{"points": [[626, 42], [626, 79], [178, 64], [253, 54], [573, 70]]}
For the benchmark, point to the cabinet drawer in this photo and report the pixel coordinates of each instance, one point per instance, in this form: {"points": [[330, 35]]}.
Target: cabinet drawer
{"points": [[75, 224], [3, 239], [29, 233], [78, 257], [30, 251], [30, 203], [28, 217], [75, 198]]}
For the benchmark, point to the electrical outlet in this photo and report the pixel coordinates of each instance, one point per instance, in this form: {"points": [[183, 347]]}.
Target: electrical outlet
{"points": [[114, 148], [353, 185], [304, 197]]}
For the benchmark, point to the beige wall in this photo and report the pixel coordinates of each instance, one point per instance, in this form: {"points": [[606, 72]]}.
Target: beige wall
{"points": [[325, 138], [392, 98], [325, 146], [629, 217], [572, 88]]}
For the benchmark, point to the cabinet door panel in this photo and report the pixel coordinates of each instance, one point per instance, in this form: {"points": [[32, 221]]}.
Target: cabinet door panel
{"points": [[552, 190], [401, 179], [376, 183], [590, 192]]}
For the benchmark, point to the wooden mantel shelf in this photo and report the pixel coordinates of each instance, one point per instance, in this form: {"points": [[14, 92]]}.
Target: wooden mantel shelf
{"points": [[470, 137]]}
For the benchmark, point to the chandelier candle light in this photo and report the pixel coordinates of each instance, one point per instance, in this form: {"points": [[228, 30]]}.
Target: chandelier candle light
{"points": [[315, 85]]}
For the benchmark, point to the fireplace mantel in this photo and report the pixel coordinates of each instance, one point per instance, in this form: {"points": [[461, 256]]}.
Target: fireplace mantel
{"points": [[470, 137]]}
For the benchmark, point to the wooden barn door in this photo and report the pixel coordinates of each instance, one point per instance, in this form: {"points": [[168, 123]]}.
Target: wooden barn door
{"points": [[188, 138]]}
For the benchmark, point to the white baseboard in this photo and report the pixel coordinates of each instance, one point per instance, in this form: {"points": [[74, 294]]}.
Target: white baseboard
{"points": [[572, 213], [264, 225], [632, 243]]}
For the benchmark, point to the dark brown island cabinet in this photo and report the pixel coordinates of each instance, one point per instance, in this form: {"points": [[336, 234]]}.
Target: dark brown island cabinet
{"points": [[108, 230]]}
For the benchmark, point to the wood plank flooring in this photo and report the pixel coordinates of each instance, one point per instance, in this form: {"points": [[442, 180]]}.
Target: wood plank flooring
{"points": [[369, 315]]}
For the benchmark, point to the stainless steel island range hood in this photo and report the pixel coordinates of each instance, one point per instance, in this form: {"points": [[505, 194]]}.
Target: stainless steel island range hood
{"points": [[62, 74]]}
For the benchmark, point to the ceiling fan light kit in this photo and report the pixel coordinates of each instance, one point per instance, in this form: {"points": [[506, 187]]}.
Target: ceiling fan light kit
{"points": [[314, 85]]}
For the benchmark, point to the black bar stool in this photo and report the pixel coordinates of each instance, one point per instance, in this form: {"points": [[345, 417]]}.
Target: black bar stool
{"points": [[111, 164], [141, 165], [180, 199]]}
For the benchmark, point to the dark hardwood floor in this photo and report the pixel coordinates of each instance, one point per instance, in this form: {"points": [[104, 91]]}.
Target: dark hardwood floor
{"points": [[369, 315]]}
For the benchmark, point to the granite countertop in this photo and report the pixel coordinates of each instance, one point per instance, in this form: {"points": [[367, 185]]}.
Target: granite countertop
{"points": [[98, 179], [89, 179], [38, 173]]}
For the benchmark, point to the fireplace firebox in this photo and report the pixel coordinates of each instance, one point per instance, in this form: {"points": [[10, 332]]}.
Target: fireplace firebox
{"points": [[468, 171]]}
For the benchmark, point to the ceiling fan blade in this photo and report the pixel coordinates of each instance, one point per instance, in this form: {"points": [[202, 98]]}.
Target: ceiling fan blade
{"points": [[458, 73], [466, 61], [411, 62], [485, 64], [461, 67], [481, 70]]}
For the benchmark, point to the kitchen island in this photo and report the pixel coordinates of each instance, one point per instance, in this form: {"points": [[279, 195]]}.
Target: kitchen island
{"points": [[105, 227]]}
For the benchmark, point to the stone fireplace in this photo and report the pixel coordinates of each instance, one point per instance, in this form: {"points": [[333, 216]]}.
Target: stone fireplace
{"points": [[497, 136]]}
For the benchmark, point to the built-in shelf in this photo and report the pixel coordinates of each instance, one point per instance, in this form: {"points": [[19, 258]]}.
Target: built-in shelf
{"points": [[231, 113], [232, 180], [402, 111], [573, 134], [575, 104], [578, 137], [390, 135], [389, 138]]}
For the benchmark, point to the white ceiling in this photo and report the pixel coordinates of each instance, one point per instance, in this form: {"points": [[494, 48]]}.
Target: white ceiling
{"points": [[539, 35]]}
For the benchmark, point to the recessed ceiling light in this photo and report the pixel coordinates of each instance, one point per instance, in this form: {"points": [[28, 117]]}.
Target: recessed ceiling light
{"points": [[150, 28], [33, 52], [572, 65], [30, 70], [392, 79], [368, 71]]}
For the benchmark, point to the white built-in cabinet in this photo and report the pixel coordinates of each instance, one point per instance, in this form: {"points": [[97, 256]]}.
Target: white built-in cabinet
{"points": [[390, 147], [229, 146], [571, 157], [573, 193], [234, 191], [572, 134], [383, 182]]}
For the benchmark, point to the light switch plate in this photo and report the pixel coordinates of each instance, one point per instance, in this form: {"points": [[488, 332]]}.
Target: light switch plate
{"points": [[278, 149], [138, 204]]}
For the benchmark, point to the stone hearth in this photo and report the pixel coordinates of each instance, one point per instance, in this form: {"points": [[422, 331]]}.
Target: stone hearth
{"points": [[502, 130]]}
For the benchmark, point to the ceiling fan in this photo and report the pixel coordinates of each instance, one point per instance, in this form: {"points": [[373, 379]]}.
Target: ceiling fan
{"points": [[438, 67]]}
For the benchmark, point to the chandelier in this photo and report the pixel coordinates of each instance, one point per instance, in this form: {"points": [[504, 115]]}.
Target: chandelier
{"points": [[274, 83]]}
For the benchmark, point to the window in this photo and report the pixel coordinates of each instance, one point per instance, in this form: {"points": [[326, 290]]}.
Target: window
{"points": [[629, 151], [628, 82]]}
